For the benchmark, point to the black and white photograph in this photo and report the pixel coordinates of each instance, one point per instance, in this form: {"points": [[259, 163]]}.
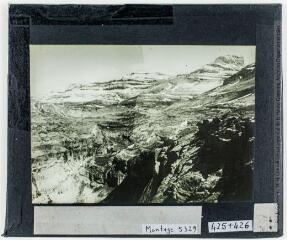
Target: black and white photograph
{"points": [[142, 124]]}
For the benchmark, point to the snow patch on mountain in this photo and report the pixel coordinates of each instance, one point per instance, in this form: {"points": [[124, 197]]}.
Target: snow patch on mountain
{"points": [[140, 76]]}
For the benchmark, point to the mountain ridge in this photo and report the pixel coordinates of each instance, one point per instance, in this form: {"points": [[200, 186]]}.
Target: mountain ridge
{"points": [[131, 85]]}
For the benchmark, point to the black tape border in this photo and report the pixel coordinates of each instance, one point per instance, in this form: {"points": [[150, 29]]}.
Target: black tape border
{"points": [[264, 30]]}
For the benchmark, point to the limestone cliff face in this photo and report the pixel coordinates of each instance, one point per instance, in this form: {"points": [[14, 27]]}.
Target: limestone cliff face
{"points": [[219, 167], [226, 145]]}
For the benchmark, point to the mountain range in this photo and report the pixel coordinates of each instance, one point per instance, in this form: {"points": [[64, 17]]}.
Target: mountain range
{"points": [[147, 137]]}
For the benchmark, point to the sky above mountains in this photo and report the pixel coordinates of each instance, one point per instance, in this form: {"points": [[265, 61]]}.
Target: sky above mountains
{"points": [[55, 67]]}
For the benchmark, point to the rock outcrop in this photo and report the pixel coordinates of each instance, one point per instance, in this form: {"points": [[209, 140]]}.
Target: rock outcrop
{"points": [[227, 145], [219, 166]]}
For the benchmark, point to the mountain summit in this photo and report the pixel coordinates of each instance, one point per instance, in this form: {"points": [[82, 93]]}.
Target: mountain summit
{"points": [[208, 76], [230, 60], [223, 67]]}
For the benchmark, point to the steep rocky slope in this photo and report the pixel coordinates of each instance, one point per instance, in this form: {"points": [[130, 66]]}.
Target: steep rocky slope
{"points": [[148, 138]]}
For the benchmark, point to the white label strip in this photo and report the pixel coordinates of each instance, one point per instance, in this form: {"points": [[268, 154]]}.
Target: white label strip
{"points": [[170, 229], [110, 220], [230, 226], [265, 217]]}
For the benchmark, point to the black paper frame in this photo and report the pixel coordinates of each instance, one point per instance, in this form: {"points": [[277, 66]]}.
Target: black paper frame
{"points": [[258, 25]]}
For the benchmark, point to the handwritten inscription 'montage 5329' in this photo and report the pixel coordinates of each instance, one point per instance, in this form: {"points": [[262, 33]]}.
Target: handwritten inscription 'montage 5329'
{"points": [[170, 229]]}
